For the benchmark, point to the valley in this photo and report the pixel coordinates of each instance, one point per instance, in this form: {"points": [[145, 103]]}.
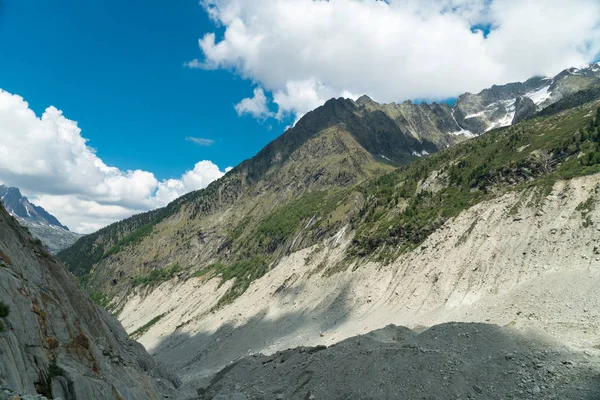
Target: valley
{"points": [[317, 240], [373, 240], [300, 200]]}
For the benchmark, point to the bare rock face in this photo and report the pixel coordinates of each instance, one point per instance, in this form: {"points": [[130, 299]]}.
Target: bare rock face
{"points": [[55, 341], [524, 108]]}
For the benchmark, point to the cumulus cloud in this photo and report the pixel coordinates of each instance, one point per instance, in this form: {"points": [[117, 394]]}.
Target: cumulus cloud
{"points": [[256, 106], [200, 141], [303, 51], [48, 159]]}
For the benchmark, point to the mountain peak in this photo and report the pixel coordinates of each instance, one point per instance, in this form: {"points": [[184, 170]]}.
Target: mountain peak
{"points": [[365, 100], [19, 206], [42, 224]]}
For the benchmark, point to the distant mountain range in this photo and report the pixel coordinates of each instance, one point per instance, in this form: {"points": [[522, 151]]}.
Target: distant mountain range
{"points": [[495, 107], [43, 225]]}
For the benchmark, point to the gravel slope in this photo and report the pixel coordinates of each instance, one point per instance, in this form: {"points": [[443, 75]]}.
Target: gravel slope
{"points": [[450, 361]]}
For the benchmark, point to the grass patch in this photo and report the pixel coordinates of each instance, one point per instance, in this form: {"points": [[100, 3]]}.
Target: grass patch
{"points": [[139, 332], [243, 273], [44, 384], [586, 208], [100, 299], [285, 221], [156, 276], [209, 269]]}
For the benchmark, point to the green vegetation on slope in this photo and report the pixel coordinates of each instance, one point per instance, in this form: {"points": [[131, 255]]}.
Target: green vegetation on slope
{"points": [[534, 153], [90, 249], [146, 327], [133, 238], [156, 276], [100, 299], [256, 246], [284, 221]]}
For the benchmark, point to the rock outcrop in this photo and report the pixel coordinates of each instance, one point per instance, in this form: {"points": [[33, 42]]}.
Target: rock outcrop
{"points": [[524, 108], [55, 341]]}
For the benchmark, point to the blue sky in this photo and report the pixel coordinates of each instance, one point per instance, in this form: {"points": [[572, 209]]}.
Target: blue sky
{"points": [[252, 68], [116, 67]]}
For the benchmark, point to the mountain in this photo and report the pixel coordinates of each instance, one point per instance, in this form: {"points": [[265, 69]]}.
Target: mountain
{"points": [[341, 226], [337, 145], [474, 114], [44, 226], [502, 105], [55, 341], [20, 206]]}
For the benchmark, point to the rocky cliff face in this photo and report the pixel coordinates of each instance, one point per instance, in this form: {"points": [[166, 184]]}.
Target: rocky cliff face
{"points": [[55, 341], [43, 225], [19, 206]]}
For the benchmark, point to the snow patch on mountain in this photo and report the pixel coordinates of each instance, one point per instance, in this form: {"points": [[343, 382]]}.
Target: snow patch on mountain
{"points": [[539, 96]]}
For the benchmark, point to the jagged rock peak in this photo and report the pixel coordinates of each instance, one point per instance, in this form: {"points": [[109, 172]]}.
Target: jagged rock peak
{"points": [[20, 206], [43, 225], [365, 100]]}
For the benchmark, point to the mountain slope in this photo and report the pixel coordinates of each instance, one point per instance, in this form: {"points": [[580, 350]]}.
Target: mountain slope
{"points": [[54, 341], [44, 226], [234, 225], [336, 145], [311, 241], [502, 228]]}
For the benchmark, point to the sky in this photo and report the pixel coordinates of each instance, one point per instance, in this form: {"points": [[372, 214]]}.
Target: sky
{"points": [[110, 108]]}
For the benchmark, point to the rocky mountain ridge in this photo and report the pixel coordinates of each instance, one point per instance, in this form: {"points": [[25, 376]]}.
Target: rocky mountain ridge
{"points": [[43, 225], [335, 146], [495, 107]]}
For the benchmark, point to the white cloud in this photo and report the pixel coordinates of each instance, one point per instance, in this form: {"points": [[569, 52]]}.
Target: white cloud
{"points": [[200, 141], [48, 159], [305, 51], [256, 106], [193, 64]]}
